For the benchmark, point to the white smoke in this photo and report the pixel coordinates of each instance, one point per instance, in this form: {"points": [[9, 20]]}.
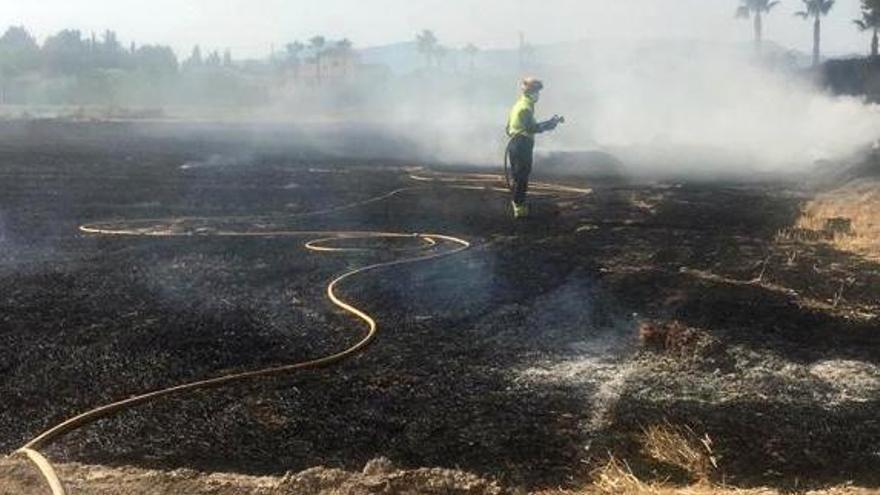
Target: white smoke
{"points": [[673, 105], [711, 97]]}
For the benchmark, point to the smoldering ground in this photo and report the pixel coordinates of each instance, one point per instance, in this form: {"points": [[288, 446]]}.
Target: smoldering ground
{"points": [[520, 350]]}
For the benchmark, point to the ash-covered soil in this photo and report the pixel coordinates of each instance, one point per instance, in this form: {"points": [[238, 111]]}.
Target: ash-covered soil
{"points": [[527, 359], [378, 476]]}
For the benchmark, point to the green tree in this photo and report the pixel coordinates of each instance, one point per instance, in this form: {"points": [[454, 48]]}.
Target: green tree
{"points": [[870, 21], [19, 53], [816, 9], [427, 45], [756, 9], [155, 60], [18, 39], [66, 53]]}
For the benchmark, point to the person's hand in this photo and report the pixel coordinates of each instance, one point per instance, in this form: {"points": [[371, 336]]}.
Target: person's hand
{"points": [[554, 122], [551, 124]]}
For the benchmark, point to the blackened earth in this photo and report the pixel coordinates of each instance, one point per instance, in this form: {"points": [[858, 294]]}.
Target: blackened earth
{"points": [[518, 359]]}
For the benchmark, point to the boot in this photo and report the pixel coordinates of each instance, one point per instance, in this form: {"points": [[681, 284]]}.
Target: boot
{"points": [[520, 211]]}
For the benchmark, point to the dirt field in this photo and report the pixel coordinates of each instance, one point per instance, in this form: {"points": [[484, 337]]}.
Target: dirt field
{"points": [[526, 360]]}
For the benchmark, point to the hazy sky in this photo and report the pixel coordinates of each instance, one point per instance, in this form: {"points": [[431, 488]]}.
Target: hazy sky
{"points": [[250, 27]]}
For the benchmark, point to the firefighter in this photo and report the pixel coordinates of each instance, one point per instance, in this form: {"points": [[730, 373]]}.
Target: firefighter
{"points": [[521, 128]]}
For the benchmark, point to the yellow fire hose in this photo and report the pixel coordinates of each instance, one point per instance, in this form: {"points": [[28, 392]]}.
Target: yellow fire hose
{"points": [[166, 228]]}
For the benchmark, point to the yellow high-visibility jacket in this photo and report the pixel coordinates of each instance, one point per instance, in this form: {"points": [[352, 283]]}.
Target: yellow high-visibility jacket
{"points": [[522, 118]]}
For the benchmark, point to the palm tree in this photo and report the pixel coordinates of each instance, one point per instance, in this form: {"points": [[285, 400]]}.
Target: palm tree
{"points": [[471, 51], [816, 9], [870, 21], [756, 9], [427, 45], [317, 44]]}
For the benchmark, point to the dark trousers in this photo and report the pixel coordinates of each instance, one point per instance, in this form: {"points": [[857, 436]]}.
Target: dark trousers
{"points": [[521, 149]]}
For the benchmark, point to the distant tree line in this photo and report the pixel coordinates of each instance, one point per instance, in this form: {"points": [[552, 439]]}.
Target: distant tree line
{"points": [[69, 53], [71, 68]]}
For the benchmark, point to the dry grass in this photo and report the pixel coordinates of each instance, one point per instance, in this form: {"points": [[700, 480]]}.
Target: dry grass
{"points": [[707, 489], [678, 446], [616, 478], [684, 449], [847, 217]]}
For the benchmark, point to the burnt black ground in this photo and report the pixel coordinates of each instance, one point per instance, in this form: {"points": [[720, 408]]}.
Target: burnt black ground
{"points": [[85, 320]]}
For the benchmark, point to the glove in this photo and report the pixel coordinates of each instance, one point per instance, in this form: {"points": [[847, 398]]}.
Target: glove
{"points": [[551, 124]]}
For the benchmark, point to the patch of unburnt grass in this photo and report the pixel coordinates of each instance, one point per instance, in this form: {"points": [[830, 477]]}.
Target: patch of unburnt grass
{"points": [[847, 217]]}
